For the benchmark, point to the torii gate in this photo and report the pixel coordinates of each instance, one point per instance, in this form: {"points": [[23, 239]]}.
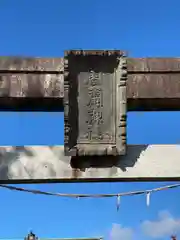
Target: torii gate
{"points": [[36, 84]]}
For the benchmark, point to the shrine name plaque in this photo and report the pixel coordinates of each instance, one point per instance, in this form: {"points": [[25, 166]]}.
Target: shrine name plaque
{"points": [[95, 103]]}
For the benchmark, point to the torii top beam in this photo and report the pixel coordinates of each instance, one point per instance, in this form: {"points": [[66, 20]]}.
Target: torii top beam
{"points": [[37, 84]]}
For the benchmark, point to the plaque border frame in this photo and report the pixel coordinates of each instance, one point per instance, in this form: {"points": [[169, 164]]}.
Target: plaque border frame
{"points": [[121, 107]]}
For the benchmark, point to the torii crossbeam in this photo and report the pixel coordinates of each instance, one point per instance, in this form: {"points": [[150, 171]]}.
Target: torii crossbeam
{"points": [[37, 84], [153, 84]]}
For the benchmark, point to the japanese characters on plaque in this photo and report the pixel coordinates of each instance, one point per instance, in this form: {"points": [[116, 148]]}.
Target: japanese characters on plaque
{"points": [[94, 107], [94, 99]]}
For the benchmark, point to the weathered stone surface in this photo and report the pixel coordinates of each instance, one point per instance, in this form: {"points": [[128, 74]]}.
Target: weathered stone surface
{"points": [[42, 163], [158, 64], [152, 84], [95, 103], [31, 85], [31, 64]]}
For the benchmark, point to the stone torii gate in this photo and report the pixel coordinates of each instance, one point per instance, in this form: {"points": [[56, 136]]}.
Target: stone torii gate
{"points": [[36, 84]]}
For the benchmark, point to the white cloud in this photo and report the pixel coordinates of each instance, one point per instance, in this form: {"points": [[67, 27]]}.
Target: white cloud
{"points": [[119, 232], [166, 225]]}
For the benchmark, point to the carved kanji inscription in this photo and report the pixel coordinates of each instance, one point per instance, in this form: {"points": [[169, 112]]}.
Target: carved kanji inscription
{"points": [[95, 104], [96, 118]]}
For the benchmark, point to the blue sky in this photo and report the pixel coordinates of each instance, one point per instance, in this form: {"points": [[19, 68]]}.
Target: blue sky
{"points": [[47, 28]]}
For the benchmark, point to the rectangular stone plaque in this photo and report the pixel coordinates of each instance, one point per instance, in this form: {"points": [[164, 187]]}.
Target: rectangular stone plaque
{"points": [[95, 103]]}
